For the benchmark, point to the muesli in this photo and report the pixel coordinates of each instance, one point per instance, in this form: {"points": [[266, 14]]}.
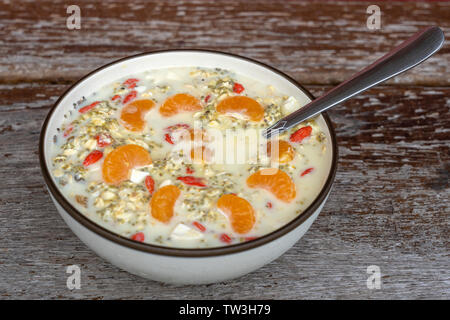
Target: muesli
{"points": [[174, 157]]}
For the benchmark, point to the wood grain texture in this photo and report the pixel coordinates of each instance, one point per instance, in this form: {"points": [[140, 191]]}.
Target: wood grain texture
{"points": [[391, 200], [389, 207], [317, 43]]}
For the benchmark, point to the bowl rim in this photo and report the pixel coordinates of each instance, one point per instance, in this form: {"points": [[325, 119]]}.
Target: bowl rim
{"points": [[185, 252]]}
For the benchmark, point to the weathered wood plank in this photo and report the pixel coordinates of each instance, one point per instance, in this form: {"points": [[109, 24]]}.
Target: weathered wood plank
{"points": [[316, 43], [389, 207]]}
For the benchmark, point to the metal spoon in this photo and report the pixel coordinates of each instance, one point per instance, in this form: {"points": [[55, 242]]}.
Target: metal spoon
{"points": [[410, 53]]}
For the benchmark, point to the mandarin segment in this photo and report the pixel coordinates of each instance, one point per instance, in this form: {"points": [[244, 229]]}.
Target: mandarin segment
{"points": [[181, 102], [163, 201], [132, 115], [286, 152], [240, 212], [243, 106], [119, 162], [276, 181]]}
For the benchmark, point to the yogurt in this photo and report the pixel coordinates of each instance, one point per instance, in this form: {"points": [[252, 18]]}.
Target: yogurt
{"points": [[193, 134]]}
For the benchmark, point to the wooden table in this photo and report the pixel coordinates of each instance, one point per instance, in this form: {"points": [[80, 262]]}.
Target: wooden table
{"points": [[390, 203]]}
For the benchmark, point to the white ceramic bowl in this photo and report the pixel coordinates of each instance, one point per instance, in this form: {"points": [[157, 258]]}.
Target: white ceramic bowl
{"points": [[174, 265]]}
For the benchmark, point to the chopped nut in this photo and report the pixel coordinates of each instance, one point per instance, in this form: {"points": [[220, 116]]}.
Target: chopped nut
{"points": [[108, 195], [58, 173], [82, 200]]}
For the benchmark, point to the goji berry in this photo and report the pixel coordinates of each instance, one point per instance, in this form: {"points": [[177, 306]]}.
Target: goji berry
{"points": [[129, 82], [177, 126], [103, 140], [238, 88], [301, 134], [130, 96], [199, 226], [192, 181], [189, 170], [150, 184], [207, 98], [306, 171], [168, 138], [92, 158], [88, 107], [225, 238], [68, 131], [138, 237]]}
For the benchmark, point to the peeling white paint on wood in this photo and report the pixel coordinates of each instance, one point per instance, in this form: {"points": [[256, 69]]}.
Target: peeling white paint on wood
{"points": [[319, 48], [389, 205], [381, 211]]}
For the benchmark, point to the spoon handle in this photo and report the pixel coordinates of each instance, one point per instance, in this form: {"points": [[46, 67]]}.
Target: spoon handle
{"points": [[410, 53]]}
